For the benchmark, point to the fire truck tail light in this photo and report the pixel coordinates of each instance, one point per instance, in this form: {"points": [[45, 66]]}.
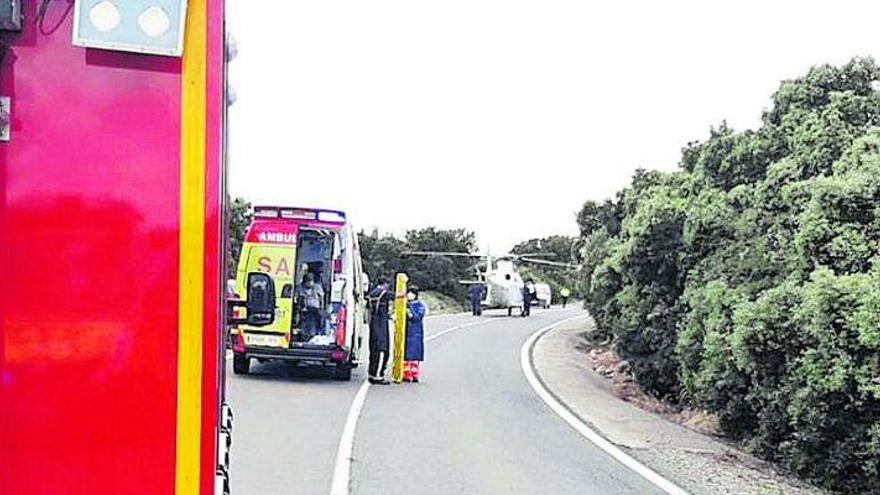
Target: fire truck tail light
{"points": [[340, 326]]}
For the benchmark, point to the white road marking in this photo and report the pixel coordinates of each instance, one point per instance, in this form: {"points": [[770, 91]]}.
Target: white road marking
{"points": [[442, 315], [581, 427], [342, 470], [459, 327]]}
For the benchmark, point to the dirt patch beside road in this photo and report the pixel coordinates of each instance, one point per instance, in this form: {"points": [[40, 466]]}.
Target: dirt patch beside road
{"points": [[607, 400]]}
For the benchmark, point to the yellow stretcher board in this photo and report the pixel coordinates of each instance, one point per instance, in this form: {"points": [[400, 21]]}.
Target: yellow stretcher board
{"points": [[399, 326]]}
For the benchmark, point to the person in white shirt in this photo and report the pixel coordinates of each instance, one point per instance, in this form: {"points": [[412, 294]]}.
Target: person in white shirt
{"points": [[311, 296]]}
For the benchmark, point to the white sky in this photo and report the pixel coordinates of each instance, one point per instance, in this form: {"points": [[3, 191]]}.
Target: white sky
{"points": [[502, 116]]}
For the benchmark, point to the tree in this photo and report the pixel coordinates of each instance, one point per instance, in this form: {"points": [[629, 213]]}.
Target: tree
{"points": [[748, 283], [442, 274], [383, 256], [240, 215], [558, 248]]}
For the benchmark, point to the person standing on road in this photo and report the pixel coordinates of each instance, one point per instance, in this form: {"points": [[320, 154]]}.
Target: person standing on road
{"points": [[311, 295], [379, 300], [527, 300], [565, 294], [415, 335], [475, 292]]}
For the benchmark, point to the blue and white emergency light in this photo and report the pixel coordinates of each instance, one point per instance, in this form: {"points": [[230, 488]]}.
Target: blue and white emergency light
{"points": [[141, 26]]}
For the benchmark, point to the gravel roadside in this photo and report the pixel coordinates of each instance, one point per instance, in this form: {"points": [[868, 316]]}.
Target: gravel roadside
{"points": [[702, 464]]}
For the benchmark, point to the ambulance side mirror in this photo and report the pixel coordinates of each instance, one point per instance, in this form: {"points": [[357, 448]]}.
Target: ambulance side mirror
{"points": [[260, 302]]}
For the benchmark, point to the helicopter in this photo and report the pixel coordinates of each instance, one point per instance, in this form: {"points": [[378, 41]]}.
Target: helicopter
{"points": [[502, 282]]}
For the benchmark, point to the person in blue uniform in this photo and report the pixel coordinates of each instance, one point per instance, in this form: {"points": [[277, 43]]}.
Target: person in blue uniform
{"points": [[414, 352], [475, 292], [527, 300], [311, 297]]}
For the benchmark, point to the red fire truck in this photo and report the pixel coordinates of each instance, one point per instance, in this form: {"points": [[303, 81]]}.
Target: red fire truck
{"points": [[111, 247]]}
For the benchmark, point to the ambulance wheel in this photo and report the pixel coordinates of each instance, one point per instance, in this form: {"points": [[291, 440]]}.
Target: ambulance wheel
{"points": [[342, 372], [241, 364]]}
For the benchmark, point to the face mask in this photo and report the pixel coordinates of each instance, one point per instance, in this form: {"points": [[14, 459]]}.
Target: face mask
{"points": [[411, 296]]}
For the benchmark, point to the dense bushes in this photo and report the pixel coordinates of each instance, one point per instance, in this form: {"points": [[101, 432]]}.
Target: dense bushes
{"points": [[748, 282], [556, 248], [383, 257]]}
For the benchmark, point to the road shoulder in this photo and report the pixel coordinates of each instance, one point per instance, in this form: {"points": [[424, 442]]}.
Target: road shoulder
{"points": [[697, 462]]}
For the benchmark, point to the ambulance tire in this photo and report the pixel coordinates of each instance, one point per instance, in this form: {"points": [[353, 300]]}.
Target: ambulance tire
{"points": [[342, 372], [241, 364]]}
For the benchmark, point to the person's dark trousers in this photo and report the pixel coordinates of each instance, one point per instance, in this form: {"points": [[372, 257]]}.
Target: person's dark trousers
{"points": [[476, 308], [378, 362], [378, 345], [527, 309], [311, 321]]}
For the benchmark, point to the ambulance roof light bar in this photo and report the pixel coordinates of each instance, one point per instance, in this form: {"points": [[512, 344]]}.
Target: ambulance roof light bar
{"points": [[295, 213]]}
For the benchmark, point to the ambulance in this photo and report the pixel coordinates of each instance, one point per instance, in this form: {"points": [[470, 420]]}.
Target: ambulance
{"points": [[313, 257]]}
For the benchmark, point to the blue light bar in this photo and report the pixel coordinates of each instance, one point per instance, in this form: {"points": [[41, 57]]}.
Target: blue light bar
{"points": [[297, 213]]}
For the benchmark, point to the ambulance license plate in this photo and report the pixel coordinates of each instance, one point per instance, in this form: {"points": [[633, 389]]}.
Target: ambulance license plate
{"points": [[262, 340]]}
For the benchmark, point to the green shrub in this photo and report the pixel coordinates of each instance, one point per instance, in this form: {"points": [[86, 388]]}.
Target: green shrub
{"points": [[748, 283]]}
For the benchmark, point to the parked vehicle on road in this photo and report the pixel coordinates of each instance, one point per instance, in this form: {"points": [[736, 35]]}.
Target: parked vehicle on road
{"points": [[111, 227], [543, 295], [310, 254]]}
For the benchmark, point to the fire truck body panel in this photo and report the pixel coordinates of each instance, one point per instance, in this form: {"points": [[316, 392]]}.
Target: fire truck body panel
{"points": [[111, 255]]}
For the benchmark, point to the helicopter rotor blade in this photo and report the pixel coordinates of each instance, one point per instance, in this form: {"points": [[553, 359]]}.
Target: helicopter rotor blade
{"points": [[442, 253], [531, 255], [550, 263]]}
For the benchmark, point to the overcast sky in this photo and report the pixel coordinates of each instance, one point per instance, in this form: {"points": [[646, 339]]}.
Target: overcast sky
{"points": [[502, 116]]}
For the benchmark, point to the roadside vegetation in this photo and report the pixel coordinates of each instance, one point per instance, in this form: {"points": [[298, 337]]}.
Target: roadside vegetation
{"points": [[383, 256], [747, 283], [441, 304], [558, 248], [240, 212]]}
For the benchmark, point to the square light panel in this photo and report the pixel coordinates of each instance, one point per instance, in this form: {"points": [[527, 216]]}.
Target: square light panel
{"points": [[141, 26]]}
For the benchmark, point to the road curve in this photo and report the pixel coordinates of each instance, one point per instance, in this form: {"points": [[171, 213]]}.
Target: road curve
{"points": [[287, 428], [474, 425]]}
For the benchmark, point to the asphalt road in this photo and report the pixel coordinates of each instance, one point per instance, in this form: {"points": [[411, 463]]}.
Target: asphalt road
{"points": [[473, 425]]}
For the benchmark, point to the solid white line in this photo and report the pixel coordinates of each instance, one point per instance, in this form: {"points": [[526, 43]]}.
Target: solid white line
{"points": [[581, 427], [459, 327], [342, 470]]}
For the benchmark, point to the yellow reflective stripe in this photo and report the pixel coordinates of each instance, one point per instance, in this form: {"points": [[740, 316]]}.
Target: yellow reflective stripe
{"points": [[399, 327], [192, 249]]}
